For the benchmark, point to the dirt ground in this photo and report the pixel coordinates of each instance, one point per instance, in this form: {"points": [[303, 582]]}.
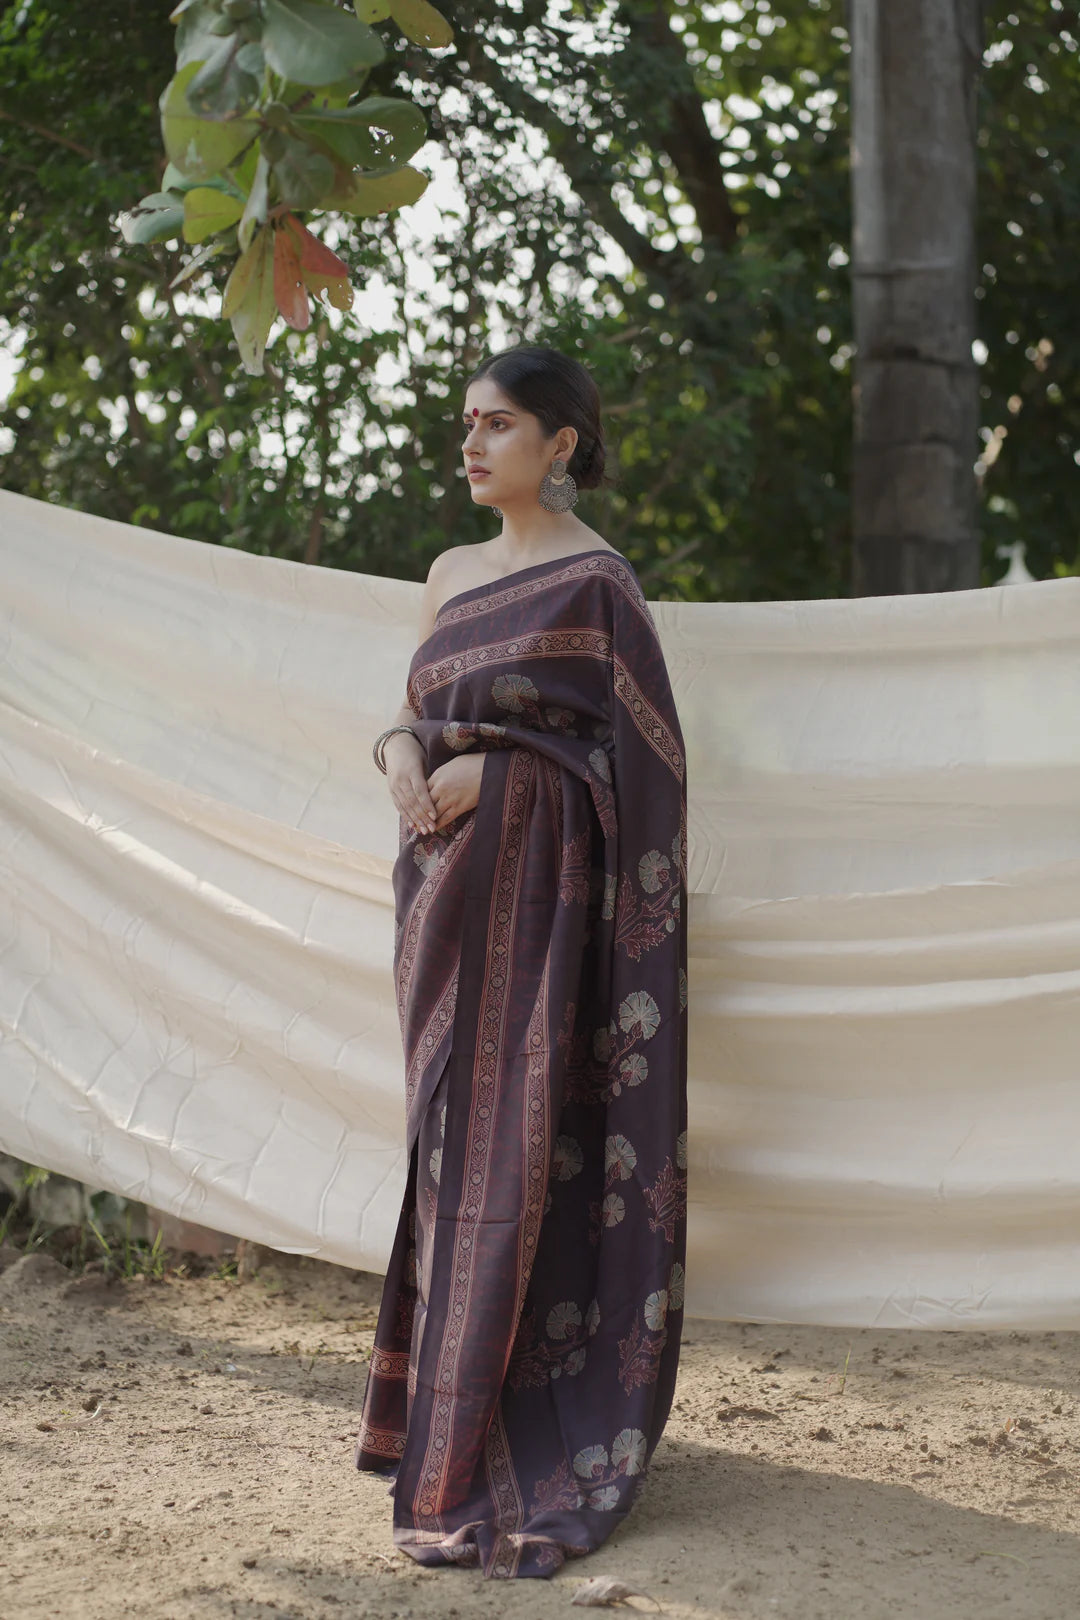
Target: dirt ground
{"points": [[184, 1448]]}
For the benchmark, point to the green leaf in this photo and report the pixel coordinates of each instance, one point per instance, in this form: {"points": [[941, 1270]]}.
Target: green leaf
{"points": [[421, 23], [251, 59], [239, 282], [221, 86], [272, 143], [311, 43], [324, 95], [199, 147], [258, 203], [369, 194], [154, 219], [347, 131], [303, 176], [195, 38], [207, 211], [244, 173], [372, 11], [249, 299], [255, 209], [173, 180]]}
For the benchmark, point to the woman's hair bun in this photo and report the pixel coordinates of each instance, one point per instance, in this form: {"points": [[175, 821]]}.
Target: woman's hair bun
{"points": [[587, 465]]}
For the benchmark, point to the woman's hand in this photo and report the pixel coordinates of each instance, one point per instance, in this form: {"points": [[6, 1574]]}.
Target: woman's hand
{"points": [[405, 777], [429, 803], [455, 787]]}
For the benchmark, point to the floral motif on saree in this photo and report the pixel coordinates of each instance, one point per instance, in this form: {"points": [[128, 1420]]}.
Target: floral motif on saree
{"points": [[528, 1339]]}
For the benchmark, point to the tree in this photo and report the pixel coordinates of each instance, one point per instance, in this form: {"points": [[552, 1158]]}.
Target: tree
{"points": [[915, 73]]}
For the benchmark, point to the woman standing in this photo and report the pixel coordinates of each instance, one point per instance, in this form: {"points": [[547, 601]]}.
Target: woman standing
{"points": [[528, 1339]]}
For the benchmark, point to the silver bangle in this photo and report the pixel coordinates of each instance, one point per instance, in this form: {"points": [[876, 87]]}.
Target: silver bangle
{"points": [[380, 744]]}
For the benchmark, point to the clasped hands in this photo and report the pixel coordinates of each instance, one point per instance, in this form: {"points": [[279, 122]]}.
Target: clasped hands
{"points": [[429, 803]]}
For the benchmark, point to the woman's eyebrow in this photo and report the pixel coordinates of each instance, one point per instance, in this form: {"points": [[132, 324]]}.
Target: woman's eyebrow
{"points": [[498, 411]]}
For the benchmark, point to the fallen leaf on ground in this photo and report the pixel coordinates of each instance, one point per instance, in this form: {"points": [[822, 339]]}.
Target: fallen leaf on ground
{"points": [[601, 1591]]}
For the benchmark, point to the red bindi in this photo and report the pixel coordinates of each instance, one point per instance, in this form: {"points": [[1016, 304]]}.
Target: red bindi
{"points": [[476, 410]]}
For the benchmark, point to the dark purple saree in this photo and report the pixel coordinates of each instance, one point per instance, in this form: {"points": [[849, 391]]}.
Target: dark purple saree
{"points": [[525, 1355]]}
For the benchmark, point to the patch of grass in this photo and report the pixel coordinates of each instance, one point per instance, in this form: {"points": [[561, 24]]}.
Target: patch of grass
{"points": [[94, 1244]]}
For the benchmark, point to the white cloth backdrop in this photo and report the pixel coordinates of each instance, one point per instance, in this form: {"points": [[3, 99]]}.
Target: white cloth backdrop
{"points": [[196, 919]]}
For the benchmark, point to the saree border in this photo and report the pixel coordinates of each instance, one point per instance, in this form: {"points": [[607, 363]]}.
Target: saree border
{"points": [[583, 643], [609, 563], [509, 853]]}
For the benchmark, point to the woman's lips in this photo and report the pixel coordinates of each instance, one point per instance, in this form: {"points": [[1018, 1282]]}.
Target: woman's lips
{"points": [[479, 472]]}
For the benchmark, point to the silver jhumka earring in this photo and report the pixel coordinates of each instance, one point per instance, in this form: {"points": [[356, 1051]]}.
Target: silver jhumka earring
{"points": [[558, 491]]}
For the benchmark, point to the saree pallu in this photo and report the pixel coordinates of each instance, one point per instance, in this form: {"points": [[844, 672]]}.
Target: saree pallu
{"points": [[528, 1338]]}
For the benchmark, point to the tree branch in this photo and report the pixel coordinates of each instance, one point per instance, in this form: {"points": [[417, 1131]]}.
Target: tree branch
{"points": [[685, 135], [581, 166], [49, 135]]}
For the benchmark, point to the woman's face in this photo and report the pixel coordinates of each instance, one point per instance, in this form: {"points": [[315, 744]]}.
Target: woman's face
{"points": [[510, 445]]}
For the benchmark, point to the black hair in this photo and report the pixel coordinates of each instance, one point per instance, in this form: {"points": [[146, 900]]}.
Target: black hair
{"points": [[561, 393]]}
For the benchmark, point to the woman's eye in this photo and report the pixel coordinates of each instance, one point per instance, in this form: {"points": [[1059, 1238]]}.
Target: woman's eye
{"points": [[496, 421]]}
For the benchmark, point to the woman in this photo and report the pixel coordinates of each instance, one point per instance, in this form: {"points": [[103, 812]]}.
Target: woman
{"points": [[527, 1343]]}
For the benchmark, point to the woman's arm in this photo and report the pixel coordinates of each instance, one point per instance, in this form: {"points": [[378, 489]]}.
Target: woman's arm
{"points": [[404, 717], [403, 754]]}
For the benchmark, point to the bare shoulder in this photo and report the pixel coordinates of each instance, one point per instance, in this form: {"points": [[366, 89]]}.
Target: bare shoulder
{"points": [[452, 567], [591, 541], [602, 545], [443, 573], [461, 568], [447, 562], [598, 543]]}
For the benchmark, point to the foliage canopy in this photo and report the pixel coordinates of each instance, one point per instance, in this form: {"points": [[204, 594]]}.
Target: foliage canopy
{"points": [[663, 193]]}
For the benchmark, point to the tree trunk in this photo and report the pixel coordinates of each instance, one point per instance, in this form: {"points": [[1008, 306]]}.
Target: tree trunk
{"points": [[915, 67]]}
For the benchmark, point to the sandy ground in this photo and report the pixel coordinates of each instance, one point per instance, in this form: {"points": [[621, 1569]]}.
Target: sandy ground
{"points": [[184, 1448]]}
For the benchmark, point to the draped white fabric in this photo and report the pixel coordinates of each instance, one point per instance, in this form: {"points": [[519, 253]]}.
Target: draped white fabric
{"points": [[196, 919]]}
